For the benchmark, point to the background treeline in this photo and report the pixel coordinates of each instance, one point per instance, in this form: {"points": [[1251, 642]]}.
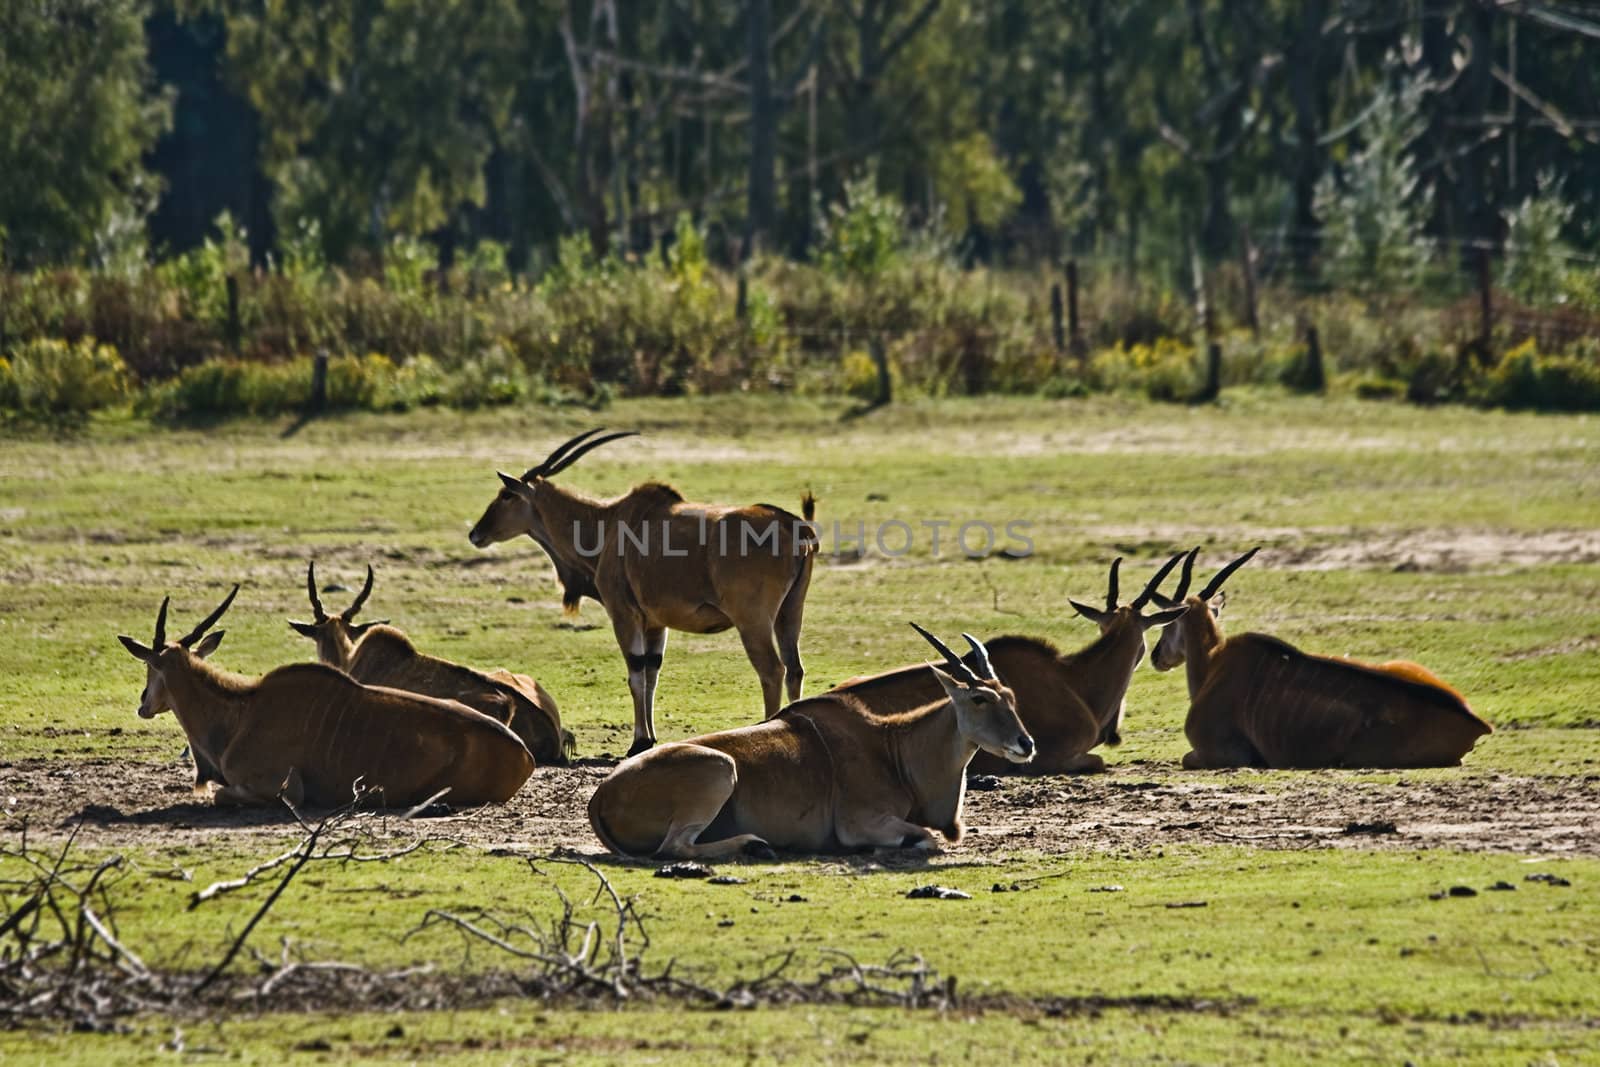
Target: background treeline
{"points": [[479, 201]]}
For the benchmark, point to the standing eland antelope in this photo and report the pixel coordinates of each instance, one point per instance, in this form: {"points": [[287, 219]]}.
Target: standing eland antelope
{"points": [[1256, 701], [824, 775], [311, 733], [656, 562], [375, 653], [1069, 701]]}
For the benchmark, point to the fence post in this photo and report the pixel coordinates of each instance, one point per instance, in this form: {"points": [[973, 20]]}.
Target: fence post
{"points": [[880, 359], [235, 333], [1248, 251], [1058, 329], [319, 381], [1213, 383], [1314, 378], [1485, 308], [1074, 324], [741, 304]]}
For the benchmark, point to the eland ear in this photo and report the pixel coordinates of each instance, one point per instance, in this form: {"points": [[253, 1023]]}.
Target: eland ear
{"points": [[209, 643], [1218, 602], [140, 652], [1161, 618], [1094, 615], [364, 627], [514, 485], [304, 629], [948, 682]]}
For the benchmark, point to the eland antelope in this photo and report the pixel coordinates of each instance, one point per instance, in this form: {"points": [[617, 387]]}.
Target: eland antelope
{"points": [[313, 734], [824, 775], [375, 653], [656, 562], [1256, 701], [1069, 701]]}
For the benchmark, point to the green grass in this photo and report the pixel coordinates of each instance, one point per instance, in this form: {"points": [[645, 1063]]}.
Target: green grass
{"points": [[1300, 947], [95, 529]]}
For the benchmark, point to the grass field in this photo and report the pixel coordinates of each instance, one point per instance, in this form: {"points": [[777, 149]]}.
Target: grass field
{"points": [[1468, 541]]}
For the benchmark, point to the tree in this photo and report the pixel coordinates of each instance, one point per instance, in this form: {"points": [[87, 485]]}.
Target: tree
{"points": [[1374, 212], [78, 111], [378, 116]]}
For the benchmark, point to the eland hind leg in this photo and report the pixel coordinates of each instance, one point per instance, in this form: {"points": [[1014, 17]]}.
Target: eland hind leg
{"points": [[758, 645], [660, 804], [787, 630]]}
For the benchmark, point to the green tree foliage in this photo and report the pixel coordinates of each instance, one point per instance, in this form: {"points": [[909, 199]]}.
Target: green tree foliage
{"points": [[378, 116], [1029, 129], [77, 112], [1536, 254], [1373, 210]]}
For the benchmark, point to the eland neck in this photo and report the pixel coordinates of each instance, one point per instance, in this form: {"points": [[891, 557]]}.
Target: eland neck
{"points": [[577, 528], [1104, 669], [1202, 637], [931, 757], [206, 700]]}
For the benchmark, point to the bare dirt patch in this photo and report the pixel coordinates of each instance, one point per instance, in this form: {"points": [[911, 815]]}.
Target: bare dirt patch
{"points": [[149, 805], [1328, 549]]}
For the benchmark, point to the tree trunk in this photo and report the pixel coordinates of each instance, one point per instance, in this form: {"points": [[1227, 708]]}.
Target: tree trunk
{"points": [[762, 211]]}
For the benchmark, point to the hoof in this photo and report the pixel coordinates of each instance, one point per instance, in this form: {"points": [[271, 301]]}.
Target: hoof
{"points": [[758, 850], [642, 744]]}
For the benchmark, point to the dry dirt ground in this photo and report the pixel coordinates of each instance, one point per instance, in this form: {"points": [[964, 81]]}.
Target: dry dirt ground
{"points": [[149, 805]]}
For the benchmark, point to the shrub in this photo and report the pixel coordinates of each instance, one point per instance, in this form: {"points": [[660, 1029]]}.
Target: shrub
{"points": [[55, 380], [1166, 370], [1525, 378]]}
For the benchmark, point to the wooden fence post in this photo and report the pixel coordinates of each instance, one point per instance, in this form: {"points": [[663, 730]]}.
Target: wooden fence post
{"points": [[1248, 251], [1058, 329], [1485, 308], [319, 381], [1314, 379], [1074, 324], [235, 332], [880, 359], [1213, 383]]}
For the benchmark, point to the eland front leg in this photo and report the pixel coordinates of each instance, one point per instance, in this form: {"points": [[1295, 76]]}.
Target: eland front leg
{"points": [[643, 649]]}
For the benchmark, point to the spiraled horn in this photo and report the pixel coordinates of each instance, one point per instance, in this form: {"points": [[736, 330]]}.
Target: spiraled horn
{"points": [[1161, 575], [209, 621], [952, 661], [1111, 589], [349, 613], [161, 625], [318, 615], [985, 669], [1186, 574], [1221, 576], [548, 466], [584, 449]]}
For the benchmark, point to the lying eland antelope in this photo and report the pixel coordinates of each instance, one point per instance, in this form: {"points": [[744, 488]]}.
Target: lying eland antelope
{"points": [[1256, 701], [824, 775], [1070, 702], [375, 653], [311, 733], [656, 562]]}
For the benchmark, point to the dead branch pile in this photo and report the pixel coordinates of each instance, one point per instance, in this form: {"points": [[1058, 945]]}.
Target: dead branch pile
{"points": [[63, 961]]}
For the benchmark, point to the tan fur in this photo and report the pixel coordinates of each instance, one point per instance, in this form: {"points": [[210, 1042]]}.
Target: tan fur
{"points": [[321, 732], [378, 654], [1258, 701], [647, 590], [1069, 702], [825, 775]]}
